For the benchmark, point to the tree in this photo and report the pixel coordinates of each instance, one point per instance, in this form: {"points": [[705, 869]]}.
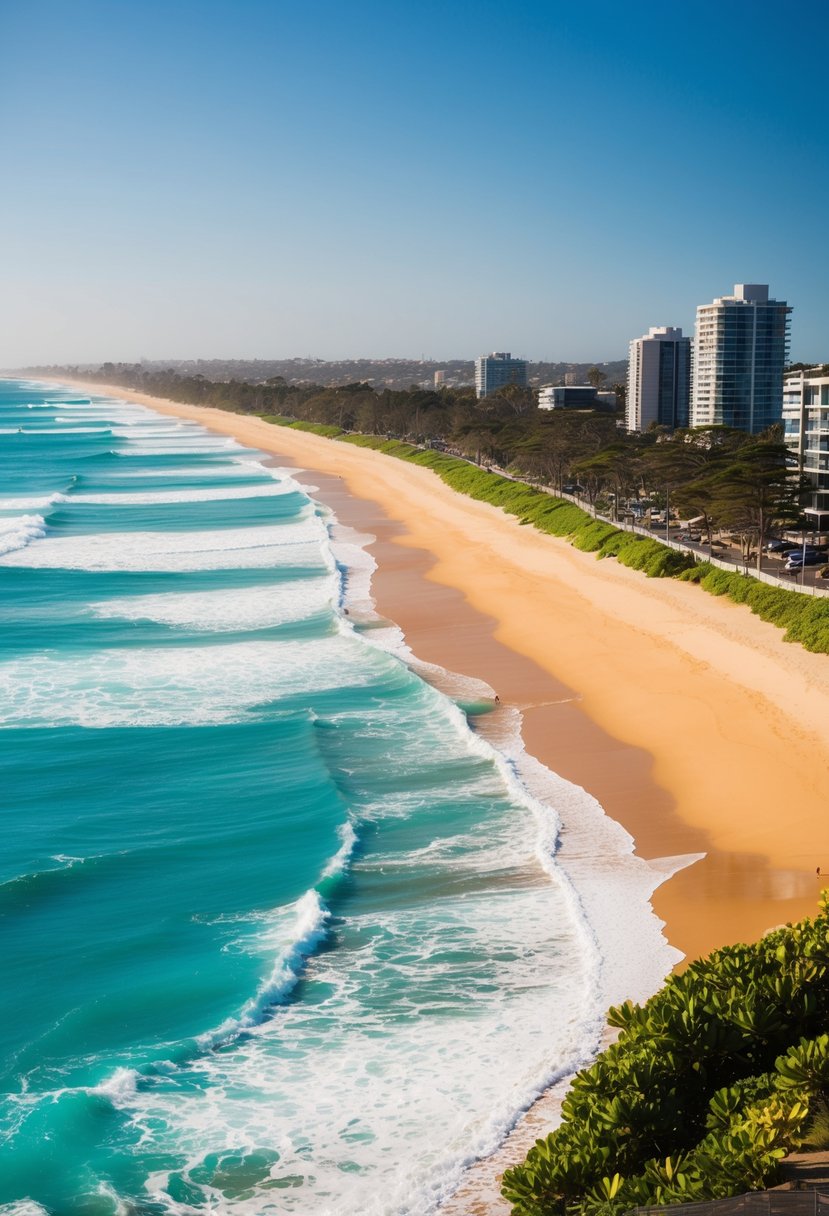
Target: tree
{"points": [[596, 377], [756, 492], [621, 391], [511, 399], [616, 465]]}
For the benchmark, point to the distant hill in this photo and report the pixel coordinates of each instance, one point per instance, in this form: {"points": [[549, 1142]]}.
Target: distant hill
{"points": [[382, 373]]}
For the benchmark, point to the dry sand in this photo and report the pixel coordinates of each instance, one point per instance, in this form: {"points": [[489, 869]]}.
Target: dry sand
{"points": [[690, 720]]}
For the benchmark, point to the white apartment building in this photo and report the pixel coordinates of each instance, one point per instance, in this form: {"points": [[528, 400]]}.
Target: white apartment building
{"points": [[806, 433], [659, 379], [740, 350], [494, 371]]}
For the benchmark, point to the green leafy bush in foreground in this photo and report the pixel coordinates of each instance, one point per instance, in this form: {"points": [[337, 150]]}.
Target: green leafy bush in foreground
{"points": [[710, 1083]]}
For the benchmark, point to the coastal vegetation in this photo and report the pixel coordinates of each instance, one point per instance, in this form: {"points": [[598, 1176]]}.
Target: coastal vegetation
{"points": [[804, 619], [709, 1085], [726, 480]]}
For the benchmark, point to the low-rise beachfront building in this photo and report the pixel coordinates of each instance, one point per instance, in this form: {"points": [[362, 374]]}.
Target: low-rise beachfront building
{"points": [[806, 433], [740, 349], [659, 379], [497, 370], [575, 397]]}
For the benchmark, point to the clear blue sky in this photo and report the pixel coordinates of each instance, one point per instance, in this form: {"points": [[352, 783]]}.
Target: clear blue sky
{"points": [[356, 178]]}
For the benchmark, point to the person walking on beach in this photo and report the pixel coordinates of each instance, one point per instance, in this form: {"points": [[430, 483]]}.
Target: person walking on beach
{"points": [[817, 872]]}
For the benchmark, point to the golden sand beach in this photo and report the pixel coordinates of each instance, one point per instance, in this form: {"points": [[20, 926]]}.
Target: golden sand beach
{"points": [[692, 721]]}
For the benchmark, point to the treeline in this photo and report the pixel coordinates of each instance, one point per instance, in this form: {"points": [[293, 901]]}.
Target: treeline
{"points": [[503, 429], [711, 1082], [725, 479], [380, 373]]}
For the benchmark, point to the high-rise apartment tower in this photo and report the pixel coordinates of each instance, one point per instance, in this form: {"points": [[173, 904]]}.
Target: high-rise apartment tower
{"points": [[494, 371], [806, 433], [659, 379], [740, 350]]}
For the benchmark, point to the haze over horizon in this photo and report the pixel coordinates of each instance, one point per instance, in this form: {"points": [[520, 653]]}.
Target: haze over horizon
{"points": [[251, 180]]}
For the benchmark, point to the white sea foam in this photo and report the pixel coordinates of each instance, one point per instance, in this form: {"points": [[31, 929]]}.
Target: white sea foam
{"points": [[231, 548], [610, 887], [171, 686], [18, 532], [118, 1088], [613, 886], [78, 430], [378, 1105], [355, 564], [214, 471], [116, 417], [227, 608], [265, 489], [178, 447], [291, 939], [153, 430], [33, 502], [341, 860]]}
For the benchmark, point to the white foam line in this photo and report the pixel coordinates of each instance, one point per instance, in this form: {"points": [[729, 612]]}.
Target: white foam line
{"points": [[190, 684], [309, 929], [19, 531], [230, 548], [77, 430], [31, 502], [225, 609], [267, 489], [341, 860], [588, 855]]}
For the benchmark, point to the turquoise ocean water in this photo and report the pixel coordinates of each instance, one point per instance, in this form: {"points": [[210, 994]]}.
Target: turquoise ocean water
{"points": [[280, 931]]}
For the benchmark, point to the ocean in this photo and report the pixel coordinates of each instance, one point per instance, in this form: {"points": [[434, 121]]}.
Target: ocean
{"points": [[286, 928]]}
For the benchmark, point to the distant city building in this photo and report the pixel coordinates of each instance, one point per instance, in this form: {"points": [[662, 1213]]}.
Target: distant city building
{"points": [[440, 379], [659, 379], [494, 371], [806, 433], [740, 350], [575, 397]]}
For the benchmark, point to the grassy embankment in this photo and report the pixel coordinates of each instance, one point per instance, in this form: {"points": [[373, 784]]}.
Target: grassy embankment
{"points": [[805, 619]]}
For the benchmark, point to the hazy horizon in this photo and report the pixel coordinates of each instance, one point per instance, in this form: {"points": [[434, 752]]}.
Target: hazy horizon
{"points": [[232, 180], [93, 364]]}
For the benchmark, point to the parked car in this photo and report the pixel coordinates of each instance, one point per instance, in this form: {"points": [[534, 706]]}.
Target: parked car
{"points": [[781, 546], [797, 560]]}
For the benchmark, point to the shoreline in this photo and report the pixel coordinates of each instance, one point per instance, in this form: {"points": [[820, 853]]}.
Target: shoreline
{"points": [[682, 714]]}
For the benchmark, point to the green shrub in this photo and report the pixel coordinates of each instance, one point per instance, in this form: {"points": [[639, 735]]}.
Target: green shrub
{"points": [[315, 428], [804, 618], [646, 554], [709, 1084]]}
